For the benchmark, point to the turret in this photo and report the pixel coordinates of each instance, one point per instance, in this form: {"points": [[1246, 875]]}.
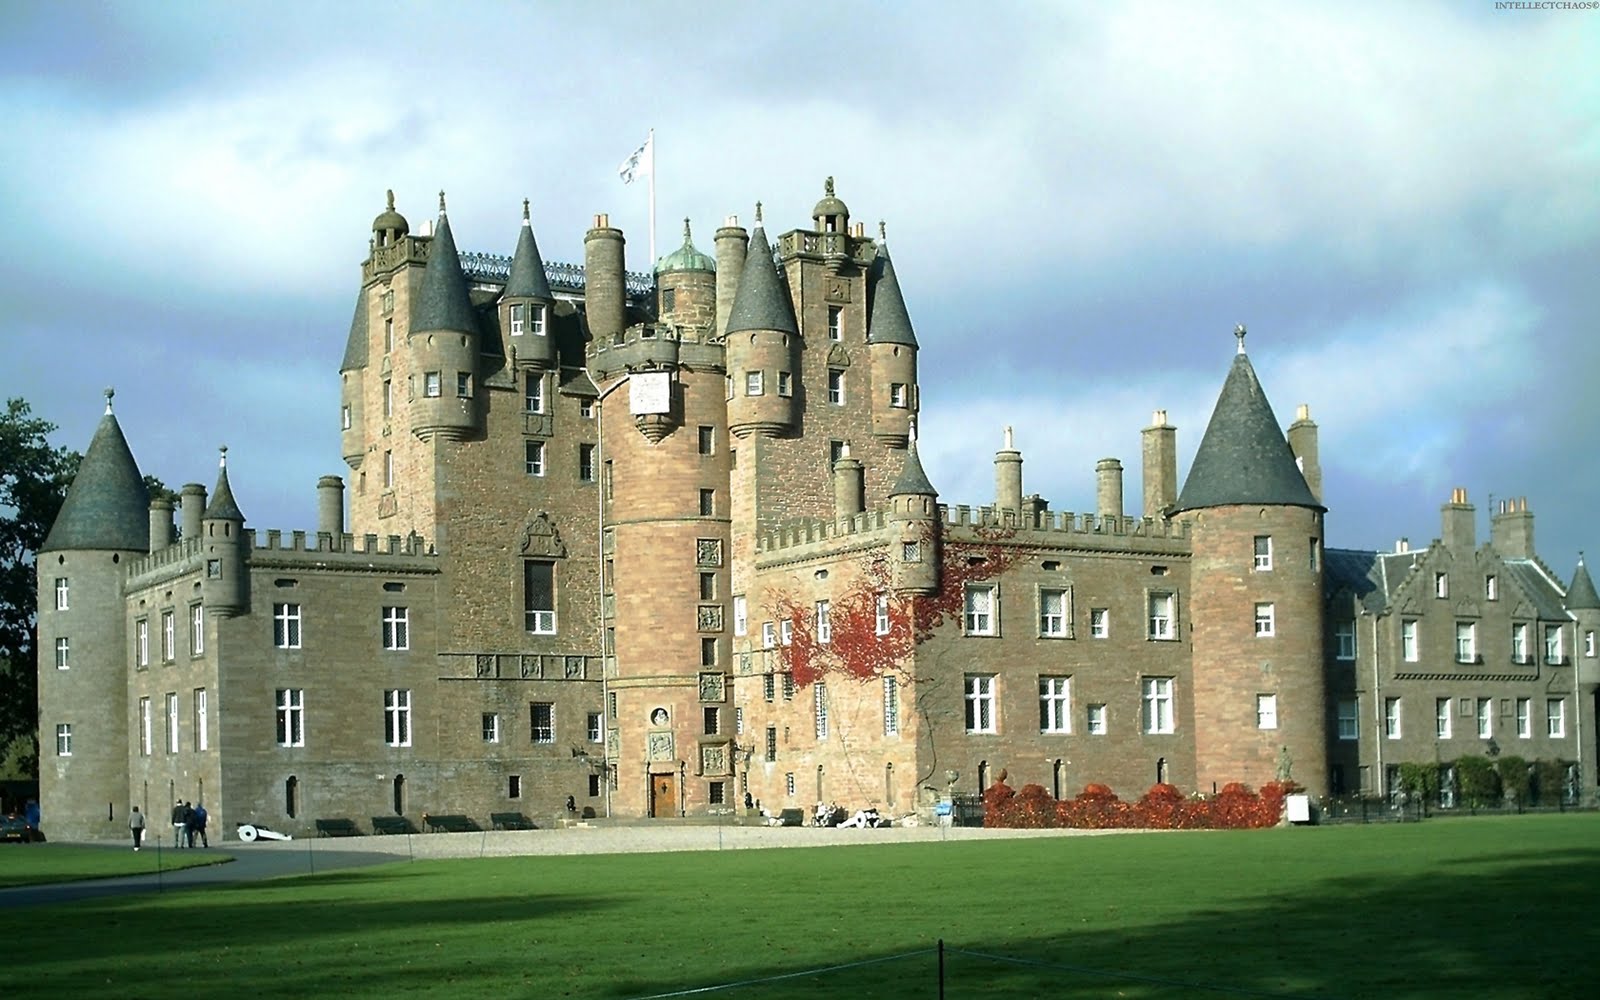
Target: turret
{"points": [[1008, 476], [443, 341], [1108, 488], [225, 589], [191, 506], [160, 523], [686, 282], [330, 507], [1159, 452], [892, 350], [848, 486], [526, 305], [732, 243], [104, 523], [1255, 597], [914, 509], [763, 347], [604, 294]]}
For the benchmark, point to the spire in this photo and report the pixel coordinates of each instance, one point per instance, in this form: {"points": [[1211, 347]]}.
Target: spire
{"points": [[355, 347], [527, 280], [762, 301], [107, 506], [1581, 595], [222, 505], [913, 481], [1243, 457], [443, 303], [887, 321]]}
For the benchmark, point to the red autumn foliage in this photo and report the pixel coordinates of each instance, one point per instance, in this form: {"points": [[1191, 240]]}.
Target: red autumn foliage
{"points": [[1163, 807]]}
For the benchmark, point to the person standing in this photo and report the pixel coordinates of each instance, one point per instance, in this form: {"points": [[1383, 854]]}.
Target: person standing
{"points": [[178, 824], [188, 824], [136, 827], [197, 825]]}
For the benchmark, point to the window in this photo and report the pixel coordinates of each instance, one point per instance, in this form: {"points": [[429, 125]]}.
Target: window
{"points": [[738, 720], [172, 722], [430, 384], [586, 463], [517, 320], [533, 458], [1266, 619], [980, 703], [1441, 718], [880, 615], [1555, 717], [1099, 623], [1097, 720], [286, 626], [836, 386], [824, 624], [768, 686], [891, 706], [708, 502], [397, 717], [169, 637], [491, 727], [1161, 617], [1263, 552], [1491, 587], [141, 643], [897, 394], [1055, 705], [772, 744], [716, 792], [1158, 705], [63, 653], [542, 722], [835, 323], [753, 384], [1312, 556], [64, 739], [707, 443], [1053, 615], [1485, 718], [594, 727], [727, 383], [1466, 642], [1391, 718], [1554, 651], [788, 687], [708, 651], [979, 613], [713, 719], [788, 783], [910, 552], [533, 394], [388, 398], [344, 418], [708, 586], [819, 692], [144, 727], [539, 597], [292, 717], [769, 635], [202, 739], [388, 470], [1588, 644], [785, 384], [536, 319], [1344, 639], [514, 786], [1349, 728], [61, 599], [741, 615], [1524, 718], [213, 569], [1266, 711], [586, 408], [1519, 643], [1408, 640], [836, 453], [396, 628]]}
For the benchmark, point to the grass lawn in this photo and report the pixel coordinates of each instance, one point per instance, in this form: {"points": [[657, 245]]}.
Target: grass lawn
{"points": [[1491, 907], [39, 864]]}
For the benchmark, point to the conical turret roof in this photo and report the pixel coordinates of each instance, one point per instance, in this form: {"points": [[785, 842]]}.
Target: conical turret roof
{"points": [[913, 481], [888, 322], [443, 303], [107, 505], [527, 280], [762, 301], [222, 505], [1581, 595], [1243, 457], [355, 347]]}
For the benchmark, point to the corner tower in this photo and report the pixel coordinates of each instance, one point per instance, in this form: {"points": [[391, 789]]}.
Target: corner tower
{"points": [[443, 343], [1255, 597], [892, 352]]}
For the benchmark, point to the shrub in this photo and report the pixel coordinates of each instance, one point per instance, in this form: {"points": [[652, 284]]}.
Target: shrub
{"points": [[1516, 778], [1163, 807], [1478, 781]]}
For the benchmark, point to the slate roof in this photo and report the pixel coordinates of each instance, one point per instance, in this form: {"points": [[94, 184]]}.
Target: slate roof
{"points": [[1543, 592], [107, 506], [762, 301], [888, 322], [222, 505], [1373, 577], [913, 481], [1581, 595], [443, 302], [1243, 457], [527, 278], [355, 348]]}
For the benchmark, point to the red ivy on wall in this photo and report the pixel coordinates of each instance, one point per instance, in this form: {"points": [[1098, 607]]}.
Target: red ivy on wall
{"points": [[1163, 807]]}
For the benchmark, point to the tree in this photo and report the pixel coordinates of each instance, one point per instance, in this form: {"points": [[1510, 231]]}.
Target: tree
{"points": [[34, 476]]}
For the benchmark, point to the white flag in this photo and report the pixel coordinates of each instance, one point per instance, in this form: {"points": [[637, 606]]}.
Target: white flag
{"points": [[642, 161]]}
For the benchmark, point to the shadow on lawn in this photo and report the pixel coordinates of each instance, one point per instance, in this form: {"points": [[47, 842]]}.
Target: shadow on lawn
{"points": [[1495, 929]]}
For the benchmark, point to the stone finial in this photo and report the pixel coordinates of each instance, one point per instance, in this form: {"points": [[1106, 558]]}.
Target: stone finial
{"points": [[109, 393], [389, 199], [883, 232], [1009, 446], [827, 187], [222, 456], [1239, 332], [758, 213], [525, 220], [441, 201]]}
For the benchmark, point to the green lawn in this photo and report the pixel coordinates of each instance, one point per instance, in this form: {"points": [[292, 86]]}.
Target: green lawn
{"points": [[1492, 907], [38, 864]]}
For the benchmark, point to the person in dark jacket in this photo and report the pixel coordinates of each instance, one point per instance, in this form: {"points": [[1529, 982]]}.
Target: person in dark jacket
{"points": [[136, 827], [188, 824], [197, 824], [179, 824]]}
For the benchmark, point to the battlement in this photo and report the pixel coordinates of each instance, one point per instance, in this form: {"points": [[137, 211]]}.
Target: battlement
{"points": [[325, 542], [275, 549], [1062, 521], [794, 537], [656, 345]]}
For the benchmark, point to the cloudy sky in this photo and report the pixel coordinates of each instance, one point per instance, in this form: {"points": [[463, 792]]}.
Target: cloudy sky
{"points": [[1402, 202]]}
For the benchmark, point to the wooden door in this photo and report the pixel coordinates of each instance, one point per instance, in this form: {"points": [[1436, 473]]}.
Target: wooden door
{"points": [[663, 795]]}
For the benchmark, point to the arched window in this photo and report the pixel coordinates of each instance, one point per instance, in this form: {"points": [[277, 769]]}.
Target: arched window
{"points": [[399, 795]]}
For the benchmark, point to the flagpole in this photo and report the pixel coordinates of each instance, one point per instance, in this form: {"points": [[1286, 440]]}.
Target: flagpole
{"points": [[651, 142]]}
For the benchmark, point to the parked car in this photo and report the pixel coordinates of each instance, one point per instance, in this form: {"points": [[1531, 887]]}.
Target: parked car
{"points": [[16, 827]]}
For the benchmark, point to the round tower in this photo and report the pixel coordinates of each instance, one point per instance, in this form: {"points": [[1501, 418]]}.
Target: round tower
{"points": [[352, 408], [103, 526], [686, 282], [892, 353], [226, 589], [526, 305], [443, 342], [732, 243], [763, 347], [1255, 598], [914, 510], [1008, 476], [604, 289]]}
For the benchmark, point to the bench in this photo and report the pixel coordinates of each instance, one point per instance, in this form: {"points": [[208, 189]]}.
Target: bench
{"points": [[392, 824], [337, 828], [449, 824], [789, 817], [510, 821]]}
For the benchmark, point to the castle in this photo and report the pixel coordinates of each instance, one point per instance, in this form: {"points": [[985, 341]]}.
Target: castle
{"points": [[660, 545]]}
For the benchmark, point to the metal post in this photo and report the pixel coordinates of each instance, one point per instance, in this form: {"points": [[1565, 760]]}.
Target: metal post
{"points": [[941, 969]]}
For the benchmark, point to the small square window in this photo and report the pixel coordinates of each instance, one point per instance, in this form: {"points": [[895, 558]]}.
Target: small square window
{"points": [[534, 458], [1097, 720], [430, 384], [754, 384], [1266, 620]]}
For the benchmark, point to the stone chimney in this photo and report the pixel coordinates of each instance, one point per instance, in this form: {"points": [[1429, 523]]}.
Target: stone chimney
{"points": [[1160, 457], [1303, 442], [1511, 529], [1459, 523], [1108, 487]]}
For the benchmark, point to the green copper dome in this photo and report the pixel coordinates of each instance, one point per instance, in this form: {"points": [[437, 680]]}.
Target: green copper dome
{"points": [[686, 257]]}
